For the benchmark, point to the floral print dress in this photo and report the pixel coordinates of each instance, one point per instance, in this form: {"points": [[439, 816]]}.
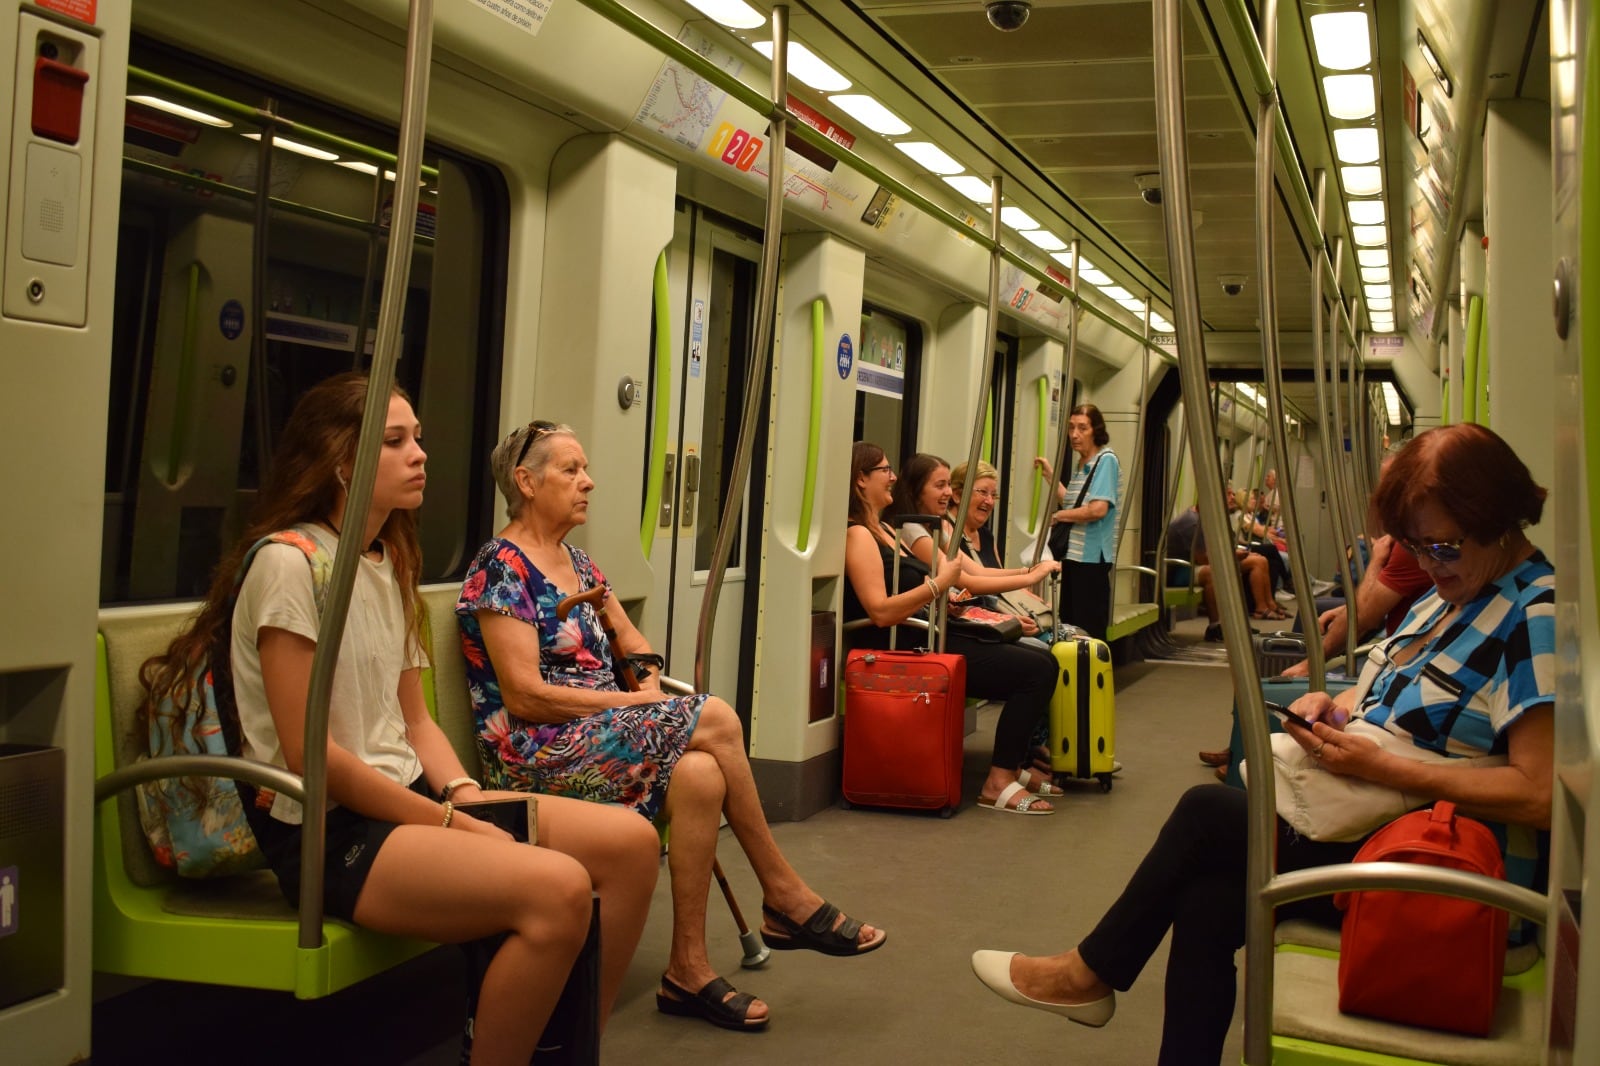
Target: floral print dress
{"points": [[622, 755]]}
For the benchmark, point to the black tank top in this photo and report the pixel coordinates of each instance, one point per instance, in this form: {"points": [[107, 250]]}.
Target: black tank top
{"points": [[913, 574]]}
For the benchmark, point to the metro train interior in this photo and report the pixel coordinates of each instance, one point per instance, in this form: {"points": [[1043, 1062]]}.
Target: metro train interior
{"points": [[977, 224]]}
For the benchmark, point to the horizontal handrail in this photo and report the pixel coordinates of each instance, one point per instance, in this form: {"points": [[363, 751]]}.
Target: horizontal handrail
{"points": [[264, 775], [1408, 877]]}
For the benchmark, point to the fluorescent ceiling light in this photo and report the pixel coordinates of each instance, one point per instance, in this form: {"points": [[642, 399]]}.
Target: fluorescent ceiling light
{"points": [[1362, 181], [1249, 393], [1342, 39], [732, 13], [1381, 304], [1017, 219], [1136, 306], [295, 146], [1366, 212], [365, 168], [1097, 278], [1116, 292], [1043, 238], [182, 112], [808, 67], [1064, 258], [1375, 273], [1356, 144], [1159, 324], [972, 188], [1382, 323], [1378, 292], [1350, 96], [1368, 236], [870, 113], [931, 157], [1391, 401], [1372, 257]]}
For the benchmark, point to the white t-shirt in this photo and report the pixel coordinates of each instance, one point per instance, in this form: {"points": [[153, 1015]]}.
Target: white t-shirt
{"points": [[365, 716]]}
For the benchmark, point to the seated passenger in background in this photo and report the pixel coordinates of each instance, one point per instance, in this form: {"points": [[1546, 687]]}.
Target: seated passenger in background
{"points": [[399, 858], [1459, 498], [1024, 676], [1256, 538], [553, 719], [1186, 540]]}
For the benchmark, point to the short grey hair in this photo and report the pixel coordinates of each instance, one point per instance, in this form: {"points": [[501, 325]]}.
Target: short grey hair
{"points": [[531, 445]]}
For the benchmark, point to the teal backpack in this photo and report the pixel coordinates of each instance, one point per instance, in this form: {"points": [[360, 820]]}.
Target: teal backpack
{"points": [[196, 825]]}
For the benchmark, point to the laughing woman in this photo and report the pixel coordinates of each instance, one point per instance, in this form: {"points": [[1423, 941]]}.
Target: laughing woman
{"points": [[1023, 676]]}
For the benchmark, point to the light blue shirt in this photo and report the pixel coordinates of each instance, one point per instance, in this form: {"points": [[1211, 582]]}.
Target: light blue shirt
{"points": [[1095, 542]]}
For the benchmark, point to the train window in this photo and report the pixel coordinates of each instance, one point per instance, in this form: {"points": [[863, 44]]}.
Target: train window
{"points": [[203, 385], [888, 364], [726, 369], [999, 421]]}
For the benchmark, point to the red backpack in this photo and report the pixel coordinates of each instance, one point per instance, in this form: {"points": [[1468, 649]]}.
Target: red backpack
{"points": [[1423, 959]]}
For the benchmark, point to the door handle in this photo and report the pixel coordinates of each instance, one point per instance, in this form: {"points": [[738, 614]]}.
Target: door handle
{"points": [[691, 488], [669, 464]]}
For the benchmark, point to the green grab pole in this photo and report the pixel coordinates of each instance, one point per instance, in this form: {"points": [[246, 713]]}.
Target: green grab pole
{"points": [[180, 418], [661, 395], [1483, 367], [1040, 433], [1469, 365], [814, 427]]}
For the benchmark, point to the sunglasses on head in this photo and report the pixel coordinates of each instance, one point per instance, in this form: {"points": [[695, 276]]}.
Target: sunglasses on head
{"points": [[536, 429], [1445, 551]]}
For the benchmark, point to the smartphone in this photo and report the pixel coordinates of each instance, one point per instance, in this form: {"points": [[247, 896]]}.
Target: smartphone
{"points": [[1285, 714]]}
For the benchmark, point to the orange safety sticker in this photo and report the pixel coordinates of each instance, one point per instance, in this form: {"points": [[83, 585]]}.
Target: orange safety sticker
{"points": [[82, 10]]}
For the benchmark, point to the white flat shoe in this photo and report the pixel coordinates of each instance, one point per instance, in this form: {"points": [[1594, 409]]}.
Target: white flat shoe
{"points": [[994, 969]]}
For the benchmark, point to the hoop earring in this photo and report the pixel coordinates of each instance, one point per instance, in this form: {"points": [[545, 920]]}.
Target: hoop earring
{"points": [[338, 475]]}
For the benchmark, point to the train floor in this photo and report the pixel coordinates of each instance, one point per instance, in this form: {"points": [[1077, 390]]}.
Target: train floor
{"points": [[942, 888]]}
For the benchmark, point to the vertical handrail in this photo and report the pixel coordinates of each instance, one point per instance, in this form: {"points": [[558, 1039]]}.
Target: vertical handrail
{"points": [[1325, 444], [813, 426], [660, 405], [980, 416], [760, 350], [1171, 131], [1289, 510], [1483, 367], [380, 380], [1040, 432], [258, 286], [1136, 474], [183, 411], [1063, 406], [1339, 472], [374, 239]]}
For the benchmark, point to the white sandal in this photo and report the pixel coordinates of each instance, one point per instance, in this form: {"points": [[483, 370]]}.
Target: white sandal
{"points": [[1024, 805], [1046, 788]]}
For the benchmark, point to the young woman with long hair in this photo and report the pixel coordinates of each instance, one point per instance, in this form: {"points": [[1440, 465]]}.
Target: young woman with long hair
{"points": [[400, 858]]}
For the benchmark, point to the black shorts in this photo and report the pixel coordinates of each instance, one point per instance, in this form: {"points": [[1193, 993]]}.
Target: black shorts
{"points": [[352, 844]]}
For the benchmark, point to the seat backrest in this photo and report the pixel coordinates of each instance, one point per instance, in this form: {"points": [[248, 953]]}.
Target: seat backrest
{"points": [[452, 707], [131, 636]]}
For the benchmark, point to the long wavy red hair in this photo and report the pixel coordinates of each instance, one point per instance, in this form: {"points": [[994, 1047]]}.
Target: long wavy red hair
{"points": [[302, 485]]}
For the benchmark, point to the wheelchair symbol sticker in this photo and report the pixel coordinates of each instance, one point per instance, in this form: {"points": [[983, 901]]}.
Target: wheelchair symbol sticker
{"points": [[847, 356]]}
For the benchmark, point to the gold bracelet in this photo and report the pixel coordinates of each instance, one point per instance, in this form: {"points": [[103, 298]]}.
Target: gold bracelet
{"points": [[449, 813], [452, 785]]}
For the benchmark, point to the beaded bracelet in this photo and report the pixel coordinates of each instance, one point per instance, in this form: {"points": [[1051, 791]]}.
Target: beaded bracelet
{"points": [[449, 813]]}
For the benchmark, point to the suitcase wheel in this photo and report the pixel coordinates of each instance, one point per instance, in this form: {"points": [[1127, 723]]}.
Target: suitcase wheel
{"points": [[845, 804], [1105, 782], [946, 812]]}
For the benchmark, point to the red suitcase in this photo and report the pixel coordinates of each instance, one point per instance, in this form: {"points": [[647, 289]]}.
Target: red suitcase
{"points": [[904, 721]]}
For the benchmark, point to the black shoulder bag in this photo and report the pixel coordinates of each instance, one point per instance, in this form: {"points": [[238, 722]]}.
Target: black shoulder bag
{"points": [[1061, 532]]}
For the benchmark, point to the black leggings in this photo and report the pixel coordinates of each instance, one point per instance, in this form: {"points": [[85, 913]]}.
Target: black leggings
{"points": [[1021, 674], [1192, 881], [1086, 597]]}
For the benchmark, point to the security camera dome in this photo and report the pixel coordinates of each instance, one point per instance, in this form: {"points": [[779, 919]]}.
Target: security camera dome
{"points": [[1008, 15], [1149, 188]]}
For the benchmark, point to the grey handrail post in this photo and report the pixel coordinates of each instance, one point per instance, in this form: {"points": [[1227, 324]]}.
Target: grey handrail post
{"points": [[1176, 206], [391, 308], [991, 325], [1063, 405], [760, 350], [1340, 474]]}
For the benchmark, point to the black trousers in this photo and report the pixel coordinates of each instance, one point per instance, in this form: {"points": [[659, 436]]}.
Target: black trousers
{"points": [[1086, 597], [1021, 674], [1277, 569], [1192, 881]]}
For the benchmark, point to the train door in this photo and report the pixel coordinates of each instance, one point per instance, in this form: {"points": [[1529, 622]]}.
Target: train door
{"points": [[712, 275], [998, 427]]}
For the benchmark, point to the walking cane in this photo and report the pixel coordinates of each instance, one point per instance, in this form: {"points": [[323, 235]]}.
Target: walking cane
{"points": [[756, 951]]}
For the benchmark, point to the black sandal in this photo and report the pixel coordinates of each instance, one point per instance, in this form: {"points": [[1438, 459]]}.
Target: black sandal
{"points": [[712, 1003], [817, 933]]}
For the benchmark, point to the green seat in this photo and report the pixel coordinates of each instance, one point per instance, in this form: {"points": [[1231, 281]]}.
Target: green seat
{"points": [[150, 923], [1128, 618]]}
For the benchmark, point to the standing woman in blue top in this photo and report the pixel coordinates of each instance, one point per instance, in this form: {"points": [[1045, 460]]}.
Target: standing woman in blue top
{"points": [[1085, 536]]}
